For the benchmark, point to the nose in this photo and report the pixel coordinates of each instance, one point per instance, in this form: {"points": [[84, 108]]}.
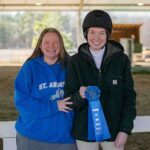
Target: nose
{"points": [[97, 36], [50, 45]]}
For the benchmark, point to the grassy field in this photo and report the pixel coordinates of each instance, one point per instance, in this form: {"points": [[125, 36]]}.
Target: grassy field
{"points": [[140, 141]]}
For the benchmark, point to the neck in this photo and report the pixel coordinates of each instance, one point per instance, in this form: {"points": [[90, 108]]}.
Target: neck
{"points": [[50, 61], [97, 50]]}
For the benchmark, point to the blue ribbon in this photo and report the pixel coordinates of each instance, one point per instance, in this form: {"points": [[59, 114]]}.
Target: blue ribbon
{"points": [[97, 126]]}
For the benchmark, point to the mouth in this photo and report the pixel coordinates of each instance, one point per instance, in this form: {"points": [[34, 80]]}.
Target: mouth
{"points": [[97, 43], [51, 50]]}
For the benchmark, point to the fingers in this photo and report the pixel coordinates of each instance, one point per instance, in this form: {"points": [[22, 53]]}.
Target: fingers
{"points": [[66, 109], [62, 105], [82, 91], [117, 143], [68, 103], [66, 99], [120, 139]]}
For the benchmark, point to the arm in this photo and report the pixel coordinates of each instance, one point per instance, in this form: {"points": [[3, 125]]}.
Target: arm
{"points": [[129, 101], [128, 110], [27, 105], [72, 86]]}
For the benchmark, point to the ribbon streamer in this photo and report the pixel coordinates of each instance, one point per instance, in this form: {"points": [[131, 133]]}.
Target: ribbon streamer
{"points": [[97, 126]]}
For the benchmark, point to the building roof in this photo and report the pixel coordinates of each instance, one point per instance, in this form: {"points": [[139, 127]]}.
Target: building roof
{"points": [[126, 26]]}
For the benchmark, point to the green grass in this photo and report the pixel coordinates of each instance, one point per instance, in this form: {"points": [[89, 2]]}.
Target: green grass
{"points": [[141, 70]]}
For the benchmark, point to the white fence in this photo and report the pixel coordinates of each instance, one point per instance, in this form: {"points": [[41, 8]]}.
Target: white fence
{"points": [[8, 133]]}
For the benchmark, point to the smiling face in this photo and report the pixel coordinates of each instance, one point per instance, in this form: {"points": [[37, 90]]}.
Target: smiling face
{"points": [[96, 37], [50, 46]]}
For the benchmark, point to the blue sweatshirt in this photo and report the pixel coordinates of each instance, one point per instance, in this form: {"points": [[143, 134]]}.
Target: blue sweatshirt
{"points": [[38, 86]]}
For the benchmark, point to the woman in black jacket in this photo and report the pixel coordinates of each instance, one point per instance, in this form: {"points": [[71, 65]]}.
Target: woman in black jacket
{"points": [[101, 63]]}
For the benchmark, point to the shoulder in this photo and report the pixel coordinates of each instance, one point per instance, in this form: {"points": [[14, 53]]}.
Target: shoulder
{"points": [[75, 58], [66, 58], [28, 65], [117, 47], [116, 44]]}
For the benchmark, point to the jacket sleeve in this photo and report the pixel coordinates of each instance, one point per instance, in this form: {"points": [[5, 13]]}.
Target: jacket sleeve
{"points": [[129, 101], [26, 104], [72, 86]]}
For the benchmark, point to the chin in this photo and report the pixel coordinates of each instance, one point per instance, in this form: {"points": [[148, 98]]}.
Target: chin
{"points": [[53, 57], [97, 48]]}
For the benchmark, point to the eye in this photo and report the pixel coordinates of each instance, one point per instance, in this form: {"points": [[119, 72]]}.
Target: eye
{"points": [[57, 43], [45, 42], [103, 33], [91, 32]]}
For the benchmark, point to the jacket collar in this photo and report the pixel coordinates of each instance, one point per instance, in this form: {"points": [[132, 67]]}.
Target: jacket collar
{"points": [[112, 48]]}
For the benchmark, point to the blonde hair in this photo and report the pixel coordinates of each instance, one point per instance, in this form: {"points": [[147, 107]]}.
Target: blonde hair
{"points": [[38, 52]]}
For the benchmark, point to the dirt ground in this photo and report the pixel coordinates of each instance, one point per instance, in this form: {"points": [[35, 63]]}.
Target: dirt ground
{"points": [[140, 141]]}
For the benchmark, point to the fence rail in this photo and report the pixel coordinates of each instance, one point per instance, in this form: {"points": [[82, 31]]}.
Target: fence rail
{"points": [[8, 133]]}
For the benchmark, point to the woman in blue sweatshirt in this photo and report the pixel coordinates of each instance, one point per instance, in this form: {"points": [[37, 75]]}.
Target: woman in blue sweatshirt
{"points": [[45, 120]]}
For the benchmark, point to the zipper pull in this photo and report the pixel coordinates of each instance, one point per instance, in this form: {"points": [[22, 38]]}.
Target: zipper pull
{"points": [[99, 71], [99, 74]]}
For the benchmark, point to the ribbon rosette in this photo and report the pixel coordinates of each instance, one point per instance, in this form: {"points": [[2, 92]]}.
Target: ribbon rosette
{"points": [[97, 126], [92, 93]]}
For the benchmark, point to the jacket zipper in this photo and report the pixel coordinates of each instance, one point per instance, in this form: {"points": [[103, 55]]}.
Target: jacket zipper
{"points": [[99, 74], [103, 70]]}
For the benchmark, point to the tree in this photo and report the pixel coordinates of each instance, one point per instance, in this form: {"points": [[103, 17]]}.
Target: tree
{"points": [[5, 31], [51, 19], [22, 29]]}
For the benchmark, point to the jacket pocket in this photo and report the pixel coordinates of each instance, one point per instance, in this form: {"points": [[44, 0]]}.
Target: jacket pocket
{"points": [[114, 86]]}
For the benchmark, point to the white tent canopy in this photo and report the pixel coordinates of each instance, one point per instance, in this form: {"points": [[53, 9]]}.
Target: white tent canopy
{"points": [[77, 5]]}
